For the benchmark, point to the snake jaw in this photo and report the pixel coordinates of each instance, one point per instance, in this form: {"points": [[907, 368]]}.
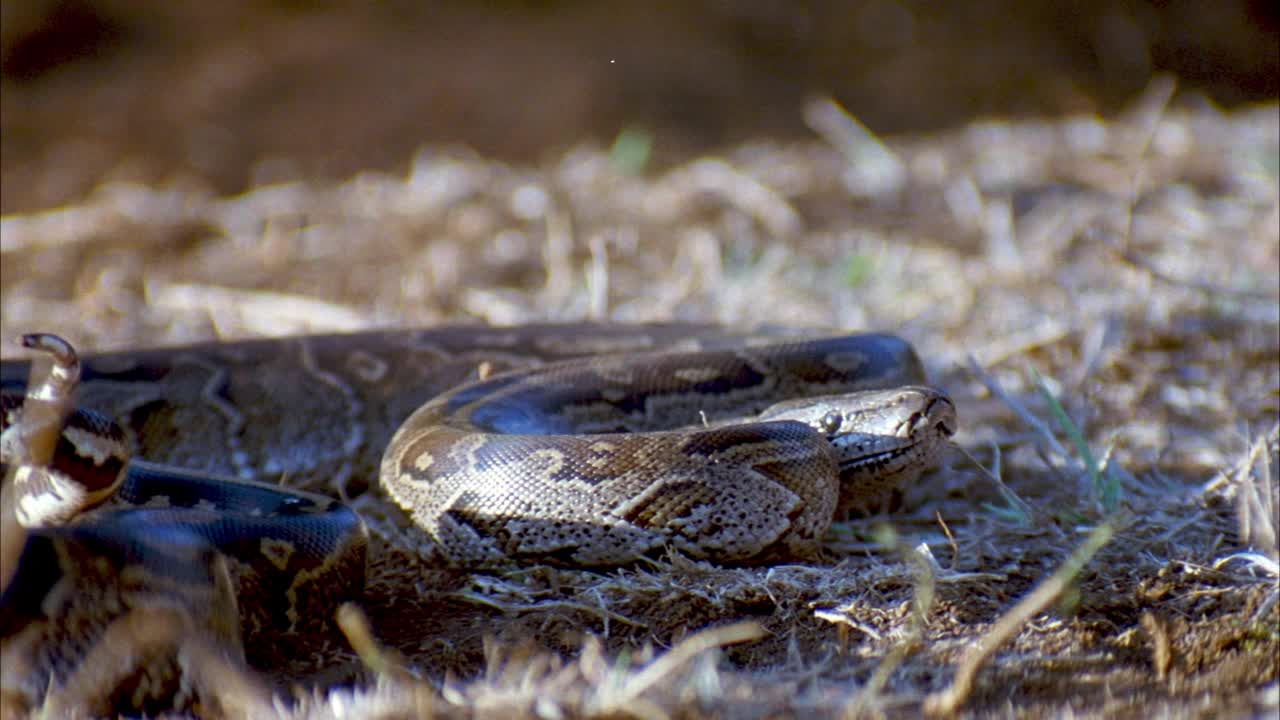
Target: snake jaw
{"points": [[885, 438], [905, 412], [939, 415]]}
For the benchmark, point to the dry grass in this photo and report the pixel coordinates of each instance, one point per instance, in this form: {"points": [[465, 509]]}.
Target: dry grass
{"points": [[1101, 299]]}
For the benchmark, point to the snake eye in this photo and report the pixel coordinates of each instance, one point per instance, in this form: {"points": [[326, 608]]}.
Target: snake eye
{"points": [[830, 422]]}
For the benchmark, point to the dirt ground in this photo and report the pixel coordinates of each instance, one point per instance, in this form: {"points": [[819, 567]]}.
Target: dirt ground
{"points": [[1100, 297], [245, 92]]}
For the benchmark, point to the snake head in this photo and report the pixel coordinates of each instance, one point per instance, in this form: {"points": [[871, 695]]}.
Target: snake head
{"points": [[901, 412], [880, 438]]}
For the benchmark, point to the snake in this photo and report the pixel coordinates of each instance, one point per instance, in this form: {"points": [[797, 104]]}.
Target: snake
{"points": [[589, 445]]}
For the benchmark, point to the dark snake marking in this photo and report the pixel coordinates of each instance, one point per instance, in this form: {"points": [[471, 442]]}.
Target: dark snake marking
{"points": [[319, 411]]}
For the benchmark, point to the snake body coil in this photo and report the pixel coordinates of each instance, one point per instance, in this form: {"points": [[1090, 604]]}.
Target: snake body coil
{"points": [[602, 461], [581, 446]]}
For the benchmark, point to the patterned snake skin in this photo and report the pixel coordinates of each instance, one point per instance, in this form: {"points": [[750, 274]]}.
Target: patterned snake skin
{"points": [[581, 445]]}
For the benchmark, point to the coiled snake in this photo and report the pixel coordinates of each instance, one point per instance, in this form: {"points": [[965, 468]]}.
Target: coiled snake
{"points": [[587, 445]]}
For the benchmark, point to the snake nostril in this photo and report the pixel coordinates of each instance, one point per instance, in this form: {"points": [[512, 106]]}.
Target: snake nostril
{"points": [[940, 415]]}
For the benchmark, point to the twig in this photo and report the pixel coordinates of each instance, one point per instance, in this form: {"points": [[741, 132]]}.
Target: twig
{"points": [[547, 605], [384, 662], [947, 701], [925, 590], [685, 651], [1007, 492], [1148, 112], [1208, 288], [1036, 424]]}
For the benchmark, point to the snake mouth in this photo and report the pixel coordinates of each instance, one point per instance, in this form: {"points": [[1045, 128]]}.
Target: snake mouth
{"points": [[945, 427], [938, 416], [872, 461]]}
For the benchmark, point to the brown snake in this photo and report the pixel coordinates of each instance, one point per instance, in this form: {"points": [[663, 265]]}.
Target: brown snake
{"points": [[604, 460], [578, 445]]}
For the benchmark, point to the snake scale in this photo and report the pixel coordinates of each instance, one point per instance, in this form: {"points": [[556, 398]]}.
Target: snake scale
{"points": [[584, 445]]}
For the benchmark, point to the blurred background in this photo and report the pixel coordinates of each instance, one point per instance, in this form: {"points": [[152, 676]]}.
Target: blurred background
{"points": [[240, 93], [1083, 191]]}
